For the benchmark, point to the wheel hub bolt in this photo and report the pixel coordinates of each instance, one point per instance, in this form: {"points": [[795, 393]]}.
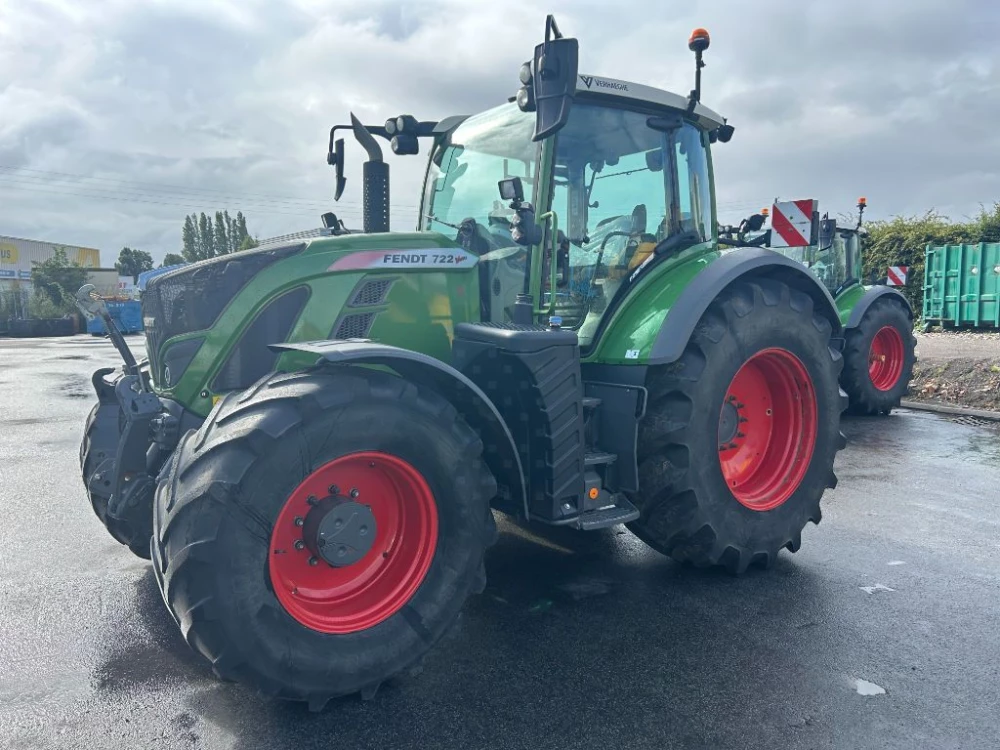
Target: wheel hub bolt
{"points": [[333, 490], [311, 500], [299, 544], [313, 561], [299, 520], [354, 493]]}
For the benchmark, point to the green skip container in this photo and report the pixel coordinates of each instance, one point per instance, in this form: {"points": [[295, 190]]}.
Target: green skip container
{"points": [[962, 286]]}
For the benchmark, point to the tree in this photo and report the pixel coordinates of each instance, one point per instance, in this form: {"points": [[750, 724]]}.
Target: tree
{"points": [[221, 237], [58, 279], [248, 243], [133, 262], [172, 259], [192, 250], [204, 238], [241, 230], [207, 236], [231, 232]]}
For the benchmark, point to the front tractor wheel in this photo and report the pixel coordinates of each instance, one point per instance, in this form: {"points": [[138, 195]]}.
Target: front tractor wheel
{"points": [[740, 434], [321, 531], [878, 358], [101, 434]]}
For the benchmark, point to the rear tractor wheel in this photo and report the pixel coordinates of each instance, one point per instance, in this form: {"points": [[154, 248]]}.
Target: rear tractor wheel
{"points": [[878, 358], [322, 530], [740, 434]]}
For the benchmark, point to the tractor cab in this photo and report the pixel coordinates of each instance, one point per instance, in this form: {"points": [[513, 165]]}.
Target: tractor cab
{"points": [[617, 183], [566, 193]]}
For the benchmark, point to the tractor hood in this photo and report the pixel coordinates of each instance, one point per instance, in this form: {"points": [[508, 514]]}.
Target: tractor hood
{"points": [[208, 325]]}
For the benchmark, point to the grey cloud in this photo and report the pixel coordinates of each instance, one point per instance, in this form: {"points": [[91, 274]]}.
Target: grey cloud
{"points": [[894, 99]]}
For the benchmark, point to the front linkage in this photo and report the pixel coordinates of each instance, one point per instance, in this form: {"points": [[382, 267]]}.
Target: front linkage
{"points": [[129, 434]]}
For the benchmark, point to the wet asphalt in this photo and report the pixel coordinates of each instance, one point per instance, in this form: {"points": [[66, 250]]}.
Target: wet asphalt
{"points": [[578, 642]]}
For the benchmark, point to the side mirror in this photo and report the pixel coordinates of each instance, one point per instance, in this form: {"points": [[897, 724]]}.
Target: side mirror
{"points": [[827, 227], [512, 189], [553, 80], [755, 222], [337, 159]]}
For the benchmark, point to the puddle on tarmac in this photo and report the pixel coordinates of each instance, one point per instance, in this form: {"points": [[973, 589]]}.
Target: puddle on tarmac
{"points": [[863, 687]]}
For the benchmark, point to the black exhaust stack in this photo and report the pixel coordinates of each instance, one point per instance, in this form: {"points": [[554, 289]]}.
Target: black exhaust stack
{"points": [[376, 176]]}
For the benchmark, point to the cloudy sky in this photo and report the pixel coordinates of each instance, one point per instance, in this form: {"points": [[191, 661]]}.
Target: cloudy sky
{"points": [[118, 117]]}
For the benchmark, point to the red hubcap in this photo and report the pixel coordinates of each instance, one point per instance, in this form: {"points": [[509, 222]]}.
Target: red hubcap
{"points": [[885, 358], [767, 429], [353, 542]]}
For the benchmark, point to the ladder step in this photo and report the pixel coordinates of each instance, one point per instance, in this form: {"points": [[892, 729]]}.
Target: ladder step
{"points": [[599, 458], [623, 512], [591, 402]]}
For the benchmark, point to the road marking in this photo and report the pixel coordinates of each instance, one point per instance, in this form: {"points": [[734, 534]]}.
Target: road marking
{"points": [[876, 587], [863, 687], [896, 562]]}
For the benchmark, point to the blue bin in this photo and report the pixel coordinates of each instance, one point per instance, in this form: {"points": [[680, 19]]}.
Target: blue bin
{"points": [[127, 316]]}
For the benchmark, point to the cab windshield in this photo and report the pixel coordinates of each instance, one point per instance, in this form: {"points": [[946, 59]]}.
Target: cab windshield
{"points": [[463, 175], [461, 193]]}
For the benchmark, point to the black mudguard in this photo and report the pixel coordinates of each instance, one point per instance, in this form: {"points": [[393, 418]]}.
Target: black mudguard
{"points": [[869, 297], [500, 450], [740, 263]]}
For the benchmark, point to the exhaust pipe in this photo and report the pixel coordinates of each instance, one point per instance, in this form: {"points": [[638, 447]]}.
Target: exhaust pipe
{"points": [[375, 208]]}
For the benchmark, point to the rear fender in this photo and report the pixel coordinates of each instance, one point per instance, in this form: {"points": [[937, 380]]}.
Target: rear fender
{"points": [[875, 293], [500, 451], [705, 287]]}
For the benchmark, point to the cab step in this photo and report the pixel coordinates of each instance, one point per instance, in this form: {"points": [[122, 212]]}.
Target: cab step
{"points": [[598, 458], [622, 512]]}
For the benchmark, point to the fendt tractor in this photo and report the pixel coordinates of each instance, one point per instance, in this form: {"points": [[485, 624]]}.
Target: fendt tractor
{"points": [[313, 450], [880, 348]]}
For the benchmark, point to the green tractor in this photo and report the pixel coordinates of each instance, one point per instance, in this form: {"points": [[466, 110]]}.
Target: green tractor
{"points": [[313, 451], [880, 349]]}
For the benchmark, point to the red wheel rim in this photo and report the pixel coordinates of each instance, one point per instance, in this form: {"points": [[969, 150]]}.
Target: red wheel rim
{"points": [[885, 358], [360, 595], [767, 429]]}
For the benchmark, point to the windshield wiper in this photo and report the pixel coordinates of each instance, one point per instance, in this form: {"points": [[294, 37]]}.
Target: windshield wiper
{"points": [[441, 221]]}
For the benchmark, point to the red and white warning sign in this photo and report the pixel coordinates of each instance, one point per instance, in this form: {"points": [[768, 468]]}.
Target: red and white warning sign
{"points": [[791, 223], [897, 275]]}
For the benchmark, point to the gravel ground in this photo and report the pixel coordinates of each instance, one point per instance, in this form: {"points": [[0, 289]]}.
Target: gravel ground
{"points": [[944, 345]]}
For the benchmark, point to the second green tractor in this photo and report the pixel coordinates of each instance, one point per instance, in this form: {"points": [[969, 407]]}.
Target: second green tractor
{"points": [[880, 348]]}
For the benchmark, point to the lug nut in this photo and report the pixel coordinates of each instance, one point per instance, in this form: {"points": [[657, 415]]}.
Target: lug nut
{"points": [[313, 561], [299, 544], [354, 492], [299, 520], [333, 489], [311, 500]]}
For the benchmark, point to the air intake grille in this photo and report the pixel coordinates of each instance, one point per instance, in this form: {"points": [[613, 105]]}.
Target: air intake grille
{"points": [[371, 293], [193, 298], [353, 326]]}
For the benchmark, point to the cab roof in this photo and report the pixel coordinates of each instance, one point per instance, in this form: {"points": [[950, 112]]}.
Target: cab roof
{"points": [[602, 87]]}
